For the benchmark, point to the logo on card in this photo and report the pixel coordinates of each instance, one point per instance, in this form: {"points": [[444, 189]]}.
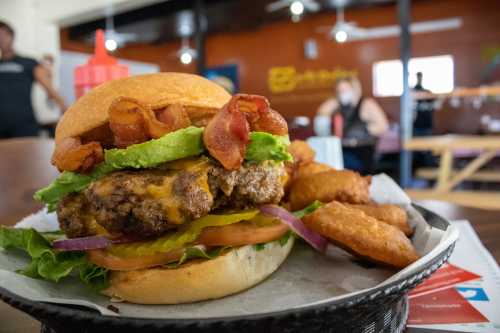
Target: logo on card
{"points": [[473, 294]]}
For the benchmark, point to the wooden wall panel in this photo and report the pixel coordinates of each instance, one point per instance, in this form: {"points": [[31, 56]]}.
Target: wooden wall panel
{"points": [[281, 44]]}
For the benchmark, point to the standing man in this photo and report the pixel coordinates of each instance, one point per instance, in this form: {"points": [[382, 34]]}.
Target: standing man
{"points": [[422, 124], [424, 110], [17, 75]]}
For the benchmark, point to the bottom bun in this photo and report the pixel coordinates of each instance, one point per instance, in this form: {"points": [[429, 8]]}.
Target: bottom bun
{"points": [[199, 280]]}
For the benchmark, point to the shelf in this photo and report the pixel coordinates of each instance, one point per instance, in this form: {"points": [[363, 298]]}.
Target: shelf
{"points": [[461, 92]]}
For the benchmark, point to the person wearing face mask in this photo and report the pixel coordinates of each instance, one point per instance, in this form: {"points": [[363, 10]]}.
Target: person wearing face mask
{"points": [[358, 121]]}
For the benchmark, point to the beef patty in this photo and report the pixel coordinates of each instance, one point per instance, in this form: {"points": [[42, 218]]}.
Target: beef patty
{"points": [[153, 201]]}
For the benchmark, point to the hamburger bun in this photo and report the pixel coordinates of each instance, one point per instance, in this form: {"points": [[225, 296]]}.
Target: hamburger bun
{"points": [[199, 280], [159, 89]]}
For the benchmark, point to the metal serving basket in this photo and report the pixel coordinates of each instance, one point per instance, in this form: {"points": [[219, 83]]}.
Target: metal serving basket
{"points": [[383, 309]]}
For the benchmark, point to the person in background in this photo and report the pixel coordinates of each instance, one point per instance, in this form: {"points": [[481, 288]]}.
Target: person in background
{"points": [[47, 104], [423, 113], [17, 75], [48, 62], [357, 120], [424, 109]]}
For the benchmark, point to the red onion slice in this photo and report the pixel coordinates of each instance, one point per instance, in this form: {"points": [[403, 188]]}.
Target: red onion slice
{"points": [[82, 243], [314, 239]]}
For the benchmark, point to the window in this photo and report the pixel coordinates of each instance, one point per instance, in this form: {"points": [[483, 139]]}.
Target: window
{"points": [[437, 75]]}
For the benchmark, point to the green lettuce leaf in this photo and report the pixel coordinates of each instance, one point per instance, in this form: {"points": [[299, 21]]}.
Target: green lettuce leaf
{"points": [[284, 239], [53, 235], [182, 143], [308, 210], [69, 182], [197, 252], [259, 247], [94, 276], [48, 264], [264, 146]]}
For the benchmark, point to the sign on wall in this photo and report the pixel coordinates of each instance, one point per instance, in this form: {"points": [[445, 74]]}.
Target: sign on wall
{"points": [[287, 79]]}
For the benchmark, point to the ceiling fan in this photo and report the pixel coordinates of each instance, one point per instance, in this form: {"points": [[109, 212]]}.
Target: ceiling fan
{"points": [[185, 54], [297, 7], [115, 39], [342, 30]]}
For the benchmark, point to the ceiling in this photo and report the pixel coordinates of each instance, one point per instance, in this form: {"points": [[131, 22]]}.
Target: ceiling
{"points": [[170, 20]]}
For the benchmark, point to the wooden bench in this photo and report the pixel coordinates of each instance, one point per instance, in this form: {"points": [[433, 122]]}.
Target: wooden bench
{"points": [[478, 176], [477, 199], [448, 178]]}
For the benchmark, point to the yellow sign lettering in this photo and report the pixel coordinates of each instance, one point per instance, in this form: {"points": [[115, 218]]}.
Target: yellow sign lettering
{"points": [[287, 79]]}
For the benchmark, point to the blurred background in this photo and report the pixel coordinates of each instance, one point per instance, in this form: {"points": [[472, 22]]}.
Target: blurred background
{"points": [[410, 88]]}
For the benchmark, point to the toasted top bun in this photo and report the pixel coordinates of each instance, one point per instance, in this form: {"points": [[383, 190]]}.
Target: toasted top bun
{"points": [[199, 280], [91, 110]]}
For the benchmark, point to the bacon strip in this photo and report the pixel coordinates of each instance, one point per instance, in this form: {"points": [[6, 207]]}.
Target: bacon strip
{"points": [[260, 116], [227, 133], [200, 116], [166, 120], [71, 155], [133, 122], [127, 122]]}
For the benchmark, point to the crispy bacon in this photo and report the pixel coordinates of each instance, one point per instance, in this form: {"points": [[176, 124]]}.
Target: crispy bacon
{"points": [[127, 122], [72, 155], [200, 116], [167, 119], [133, 122], [227, 133], [101, 134], [260, 116]]}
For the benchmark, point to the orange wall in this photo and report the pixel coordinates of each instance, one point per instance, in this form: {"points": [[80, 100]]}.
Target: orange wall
{"points": [[281, 44]]}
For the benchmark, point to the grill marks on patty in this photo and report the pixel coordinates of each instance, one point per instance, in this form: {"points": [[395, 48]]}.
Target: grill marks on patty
{"points": [[151, 202]]}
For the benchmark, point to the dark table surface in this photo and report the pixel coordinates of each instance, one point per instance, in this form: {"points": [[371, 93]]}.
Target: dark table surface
{"points": [[26, 167]]}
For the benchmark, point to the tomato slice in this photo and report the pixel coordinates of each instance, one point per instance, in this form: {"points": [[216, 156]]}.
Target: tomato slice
{"points": [[243, 233], [104, 259], [238, 234]]}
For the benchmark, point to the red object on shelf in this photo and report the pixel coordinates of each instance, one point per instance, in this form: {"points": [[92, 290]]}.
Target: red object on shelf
{"points": [[100, 68]]}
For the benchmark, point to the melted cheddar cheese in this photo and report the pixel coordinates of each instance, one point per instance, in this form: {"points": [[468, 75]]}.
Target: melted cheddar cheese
{"points": [[165, 192]]}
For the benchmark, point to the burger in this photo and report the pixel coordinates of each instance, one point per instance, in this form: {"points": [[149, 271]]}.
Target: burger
{"points": [[163, 179]]}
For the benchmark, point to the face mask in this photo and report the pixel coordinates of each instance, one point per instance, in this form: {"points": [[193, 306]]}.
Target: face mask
{"points": [[346, 97]]}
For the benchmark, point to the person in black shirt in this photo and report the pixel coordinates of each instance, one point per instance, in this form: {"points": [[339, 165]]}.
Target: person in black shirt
{"points": [[362, 122], [424, 110], [17, 75], [423, 124]]}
